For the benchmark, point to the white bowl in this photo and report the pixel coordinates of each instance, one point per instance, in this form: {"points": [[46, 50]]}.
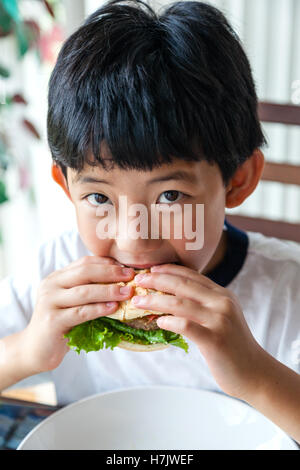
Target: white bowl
{"points": [[157, 417]]}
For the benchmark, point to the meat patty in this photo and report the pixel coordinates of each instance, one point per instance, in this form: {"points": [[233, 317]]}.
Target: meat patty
{"points": [[144, 323]]}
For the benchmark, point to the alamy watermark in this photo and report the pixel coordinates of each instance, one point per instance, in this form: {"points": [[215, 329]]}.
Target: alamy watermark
{"points": [[175, 221]]}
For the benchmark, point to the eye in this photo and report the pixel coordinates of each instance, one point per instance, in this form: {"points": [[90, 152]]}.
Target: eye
{"points": [[97, 199], [170, 196]]}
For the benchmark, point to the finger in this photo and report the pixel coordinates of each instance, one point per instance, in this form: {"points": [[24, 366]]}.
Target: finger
{"points": [[93, 273], [183, 271], [178, 285], [81, 313], [186, 308], [92, 260], [85, 260], [184, 327], [89, 294]]}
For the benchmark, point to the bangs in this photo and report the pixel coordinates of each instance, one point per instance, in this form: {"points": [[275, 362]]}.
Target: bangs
{"points": [[138, 109], [140, 122], [153, 88]]}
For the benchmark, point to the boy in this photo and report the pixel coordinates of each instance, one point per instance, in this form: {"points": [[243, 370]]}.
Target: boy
{"points": [[161, 109]]}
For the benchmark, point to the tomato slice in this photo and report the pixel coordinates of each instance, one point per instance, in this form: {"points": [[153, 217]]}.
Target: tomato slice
{"points": [[150, 318]]}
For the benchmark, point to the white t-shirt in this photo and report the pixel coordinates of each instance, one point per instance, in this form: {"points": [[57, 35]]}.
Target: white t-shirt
{"points": [[264, 273]]}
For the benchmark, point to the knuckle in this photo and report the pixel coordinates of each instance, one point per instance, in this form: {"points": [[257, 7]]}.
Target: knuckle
{"points": [[82, 270], [82, 291], [186, 282], [106, 291], [159, 282], [226, 305], [177, 302], [82, 313]]}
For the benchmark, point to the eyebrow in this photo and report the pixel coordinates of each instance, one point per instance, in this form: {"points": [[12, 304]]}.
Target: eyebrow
{"points": [[178, 175], [88, 179]]}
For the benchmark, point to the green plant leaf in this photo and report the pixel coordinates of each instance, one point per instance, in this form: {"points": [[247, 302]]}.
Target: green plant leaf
{"points": [[6, 22], [3, 195], [7, 101], [11, 7], [4, 162], [4, 72], [107, 332], [22, 40]]}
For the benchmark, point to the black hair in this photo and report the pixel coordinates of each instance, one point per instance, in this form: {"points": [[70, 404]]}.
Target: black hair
{"points": [[154, 86]]}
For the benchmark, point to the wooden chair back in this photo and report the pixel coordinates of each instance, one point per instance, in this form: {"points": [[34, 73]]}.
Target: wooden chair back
{"points": [[283, 173]]}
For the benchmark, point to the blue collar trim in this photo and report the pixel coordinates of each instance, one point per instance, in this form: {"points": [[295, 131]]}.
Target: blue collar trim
{"points": [[230, 266]]}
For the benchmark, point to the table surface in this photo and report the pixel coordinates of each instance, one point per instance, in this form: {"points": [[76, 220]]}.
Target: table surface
{"points": [[40, 393], [21, 410]]}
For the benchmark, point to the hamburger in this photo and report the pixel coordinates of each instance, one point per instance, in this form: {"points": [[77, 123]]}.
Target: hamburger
{"points": [[129, 327]]}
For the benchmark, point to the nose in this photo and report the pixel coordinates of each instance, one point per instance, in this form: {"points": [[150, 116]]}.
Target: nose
{"points": [[134, 233]]}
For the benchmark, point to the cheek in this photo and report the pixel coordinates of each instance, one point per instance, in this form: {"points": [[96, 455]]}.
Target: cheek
{"points": [[212, 227], [87, 227]]}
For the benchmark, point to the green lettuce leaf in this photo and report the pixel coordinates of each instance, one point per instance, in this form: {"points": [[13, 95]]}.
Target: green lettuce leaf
{"points": [[107, 332]]}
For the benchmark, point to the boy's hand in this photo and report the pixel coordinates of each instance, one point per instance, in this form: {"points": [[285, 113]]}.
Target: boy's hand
{"points": [[67, 297], [212, 318]]}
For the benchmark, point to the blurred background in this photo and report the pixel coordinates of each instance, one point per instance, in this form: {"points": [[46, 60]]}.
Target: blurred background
{"points": [[33, 208]]}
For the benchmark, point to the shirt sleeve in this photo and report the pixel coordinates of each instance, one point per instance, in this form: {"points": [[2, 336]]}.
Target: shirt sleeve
{"points": [[282, 324], [289, 344], [15, 305], [18, 292]]}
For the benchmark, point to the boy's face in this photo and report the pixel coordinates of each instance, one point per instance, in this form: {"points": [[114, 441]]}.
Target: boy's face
{"points": [[180, 182]]}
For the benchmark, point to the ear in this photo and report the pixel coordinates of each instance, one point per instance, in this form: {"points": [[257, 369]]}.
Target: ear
{"points": [[245, 179], [60, 179]]}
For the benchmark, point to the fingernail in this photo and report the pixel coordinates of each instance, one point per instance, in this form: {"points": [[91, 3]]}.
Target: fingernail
{"points": [[137, 300], [161, 322], [110, 304], [125, 290], [155, 268]]}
